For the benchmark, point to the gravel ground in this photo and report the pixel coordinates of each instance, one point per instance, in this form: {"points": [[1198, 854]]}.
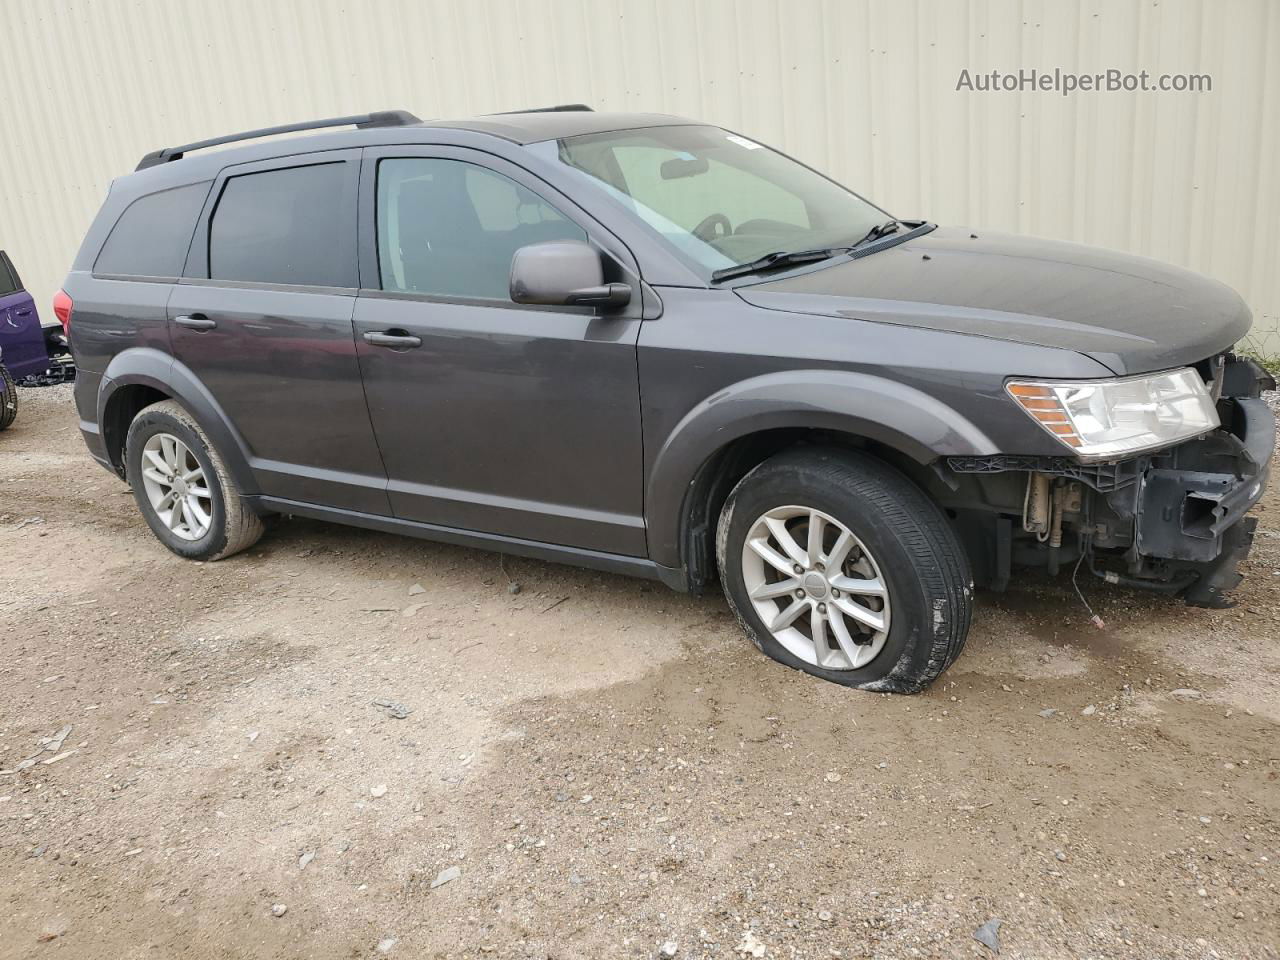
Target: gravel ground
{"points": [[285, 754]]}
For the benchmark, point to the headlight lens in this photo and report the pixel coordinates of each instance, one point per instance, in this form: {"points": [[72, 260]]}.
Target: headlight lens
{"points": [[1101, 419]]}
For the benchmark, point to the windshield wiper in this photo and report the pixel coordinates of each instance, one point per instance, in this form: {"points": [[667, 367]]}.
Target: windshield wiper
{"points": [[775, 260], [783, 258], [878, 231]]}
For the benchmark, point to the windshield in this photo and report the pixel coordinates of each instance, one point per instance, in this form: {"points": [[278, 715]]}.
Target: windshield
{"points": [[719, 199]]}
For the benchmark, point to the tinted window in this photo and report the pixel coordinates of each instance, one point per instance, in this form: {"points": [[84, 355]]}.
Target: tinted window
{"points": [[285, 226], [8, 282], [152, 235], [450, 228]]}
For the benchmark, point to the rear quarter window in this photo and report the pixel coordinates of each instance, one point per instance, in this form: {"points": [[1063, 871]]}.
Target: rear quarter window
{"points": [[152, 235]]}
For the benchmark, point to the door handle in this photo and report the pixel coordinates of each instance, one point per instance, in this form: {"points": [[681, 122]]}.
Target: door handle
{"points": [[393, 340], [195, 321], [22, 313]]}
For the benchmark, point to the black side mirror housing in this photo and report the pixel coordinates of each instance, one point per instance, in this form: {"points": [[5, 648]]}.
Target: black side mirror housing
{"points": [[567, 273]]}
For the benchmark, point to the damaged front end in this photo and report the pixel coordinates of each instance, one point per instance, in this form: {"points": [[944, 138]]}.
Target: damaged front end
{"points": [[1172, 520]]}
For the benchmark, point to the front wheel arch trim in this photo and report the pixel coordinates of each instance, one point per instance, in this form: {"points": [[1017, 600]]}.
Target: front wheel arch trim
{"points": [[884, 412]]}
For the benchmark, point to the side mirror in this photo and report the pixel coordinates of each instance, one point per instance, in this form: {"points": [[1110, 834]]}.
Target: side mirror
{"points": [[563, 273]]}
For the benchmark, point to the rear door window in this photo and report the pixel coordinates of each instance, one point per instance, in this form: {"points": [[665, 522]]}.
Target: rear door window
{"points": [[152, 235], [287, 226]]}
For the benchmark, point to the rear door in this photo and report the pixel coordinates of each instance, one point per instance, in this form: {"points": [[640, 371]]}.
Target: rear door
{"points": [[263, 318], [22, 347], [496, 417]]}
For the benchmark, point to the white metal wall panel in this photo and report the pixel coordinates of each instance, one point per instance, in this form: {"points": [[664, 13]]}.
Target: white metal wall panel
{"points": [[862, 89]]}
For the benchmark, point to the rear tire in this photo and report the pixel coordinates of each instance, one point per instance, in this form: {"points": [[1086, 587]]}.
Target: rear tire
{"points": [[183, 488], [8, 398], [839, 546]]}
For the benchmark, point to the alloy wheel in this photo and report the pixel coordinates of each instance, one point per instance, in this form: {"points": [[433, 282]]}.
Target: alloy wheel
{"points": [[176, 487], [816, 588]]}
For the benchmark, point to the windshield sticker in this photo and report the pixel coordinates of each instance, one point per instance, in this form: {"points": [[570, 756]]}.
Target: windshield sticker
{"points": [[742, 141]]}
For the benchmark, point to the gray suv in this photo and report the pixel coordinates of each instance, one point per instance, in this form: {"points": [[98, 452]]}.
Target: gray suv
{"points": [[652, 346]]}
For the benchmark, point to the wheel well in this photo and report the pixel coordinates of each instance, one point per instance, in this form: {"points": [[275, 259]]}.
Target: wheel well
{"points": [[721, 472], [123, 406]]}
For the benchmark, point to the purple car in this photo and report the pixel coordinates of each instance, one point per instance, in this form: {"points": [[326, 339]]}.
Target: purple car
{"points": [[30, 354]]}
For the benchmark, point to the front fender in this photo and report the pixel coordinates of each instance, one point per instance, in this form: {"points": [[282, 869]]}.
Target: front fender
{"points": [[858, 404], [146, 366]]}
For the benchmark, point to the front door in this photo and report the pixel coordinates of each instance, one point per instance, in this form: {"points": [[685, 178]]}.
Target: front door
{"points": [[493, 416], [263, 320]]}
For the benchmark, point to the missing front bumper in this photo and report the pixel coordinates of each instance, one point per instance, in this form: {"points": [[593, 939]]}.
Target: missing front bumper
{"points": [[1190, 509], [1187, 503], [1174, 521]]}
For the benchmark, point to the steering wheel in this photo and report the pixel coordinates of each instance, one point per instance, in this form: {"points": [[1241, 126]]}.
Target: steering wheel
{"points": [[706, 230]]}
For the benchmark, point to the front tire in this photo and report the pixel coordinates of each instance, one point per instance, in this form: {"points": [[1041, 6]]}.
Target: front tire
{"points": [[8, 398], [183, 488], [838, 565]]}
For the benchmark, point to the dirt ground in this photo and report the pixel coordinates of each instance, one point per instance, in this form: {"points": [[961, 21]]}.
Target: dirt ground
{"points": [[609, 765]]}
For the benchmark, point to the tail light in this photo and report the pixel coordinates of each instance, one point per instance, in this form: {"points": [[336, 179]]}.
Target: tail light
{"points": [[62, 310]]}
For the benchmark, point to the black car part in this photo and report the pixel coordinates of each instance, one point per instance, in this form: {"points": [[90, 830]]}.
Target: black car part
{"points": [[364, 121]]}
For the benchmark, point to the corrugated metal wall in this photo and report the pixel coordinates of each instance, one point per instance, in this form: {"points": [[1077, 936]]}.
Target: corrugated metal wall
{"points": [[864, 90]]}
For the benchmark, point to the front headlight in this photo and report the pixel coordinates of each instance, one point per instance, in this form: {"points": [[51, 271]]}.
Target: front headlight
{"points": [[1104, 419]]}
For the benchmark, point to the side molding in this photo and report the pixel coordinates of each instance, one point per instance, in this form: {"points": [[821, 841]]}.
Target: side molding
{"points": [[858, 404]]}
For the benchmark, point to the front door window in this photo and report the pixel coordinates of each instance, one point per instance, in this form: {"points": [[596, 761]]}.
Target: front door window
{"points": [[450, 228]]}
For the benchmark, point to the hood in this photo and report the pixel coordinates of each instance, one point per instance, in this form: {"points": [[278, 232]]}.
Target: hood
{"points": [[1131, 314]]}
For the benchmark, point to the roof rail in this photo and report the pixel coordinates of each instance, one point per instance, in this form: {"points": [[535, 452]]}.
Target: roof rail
{"points": [[385, 118], [559, 108]]}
